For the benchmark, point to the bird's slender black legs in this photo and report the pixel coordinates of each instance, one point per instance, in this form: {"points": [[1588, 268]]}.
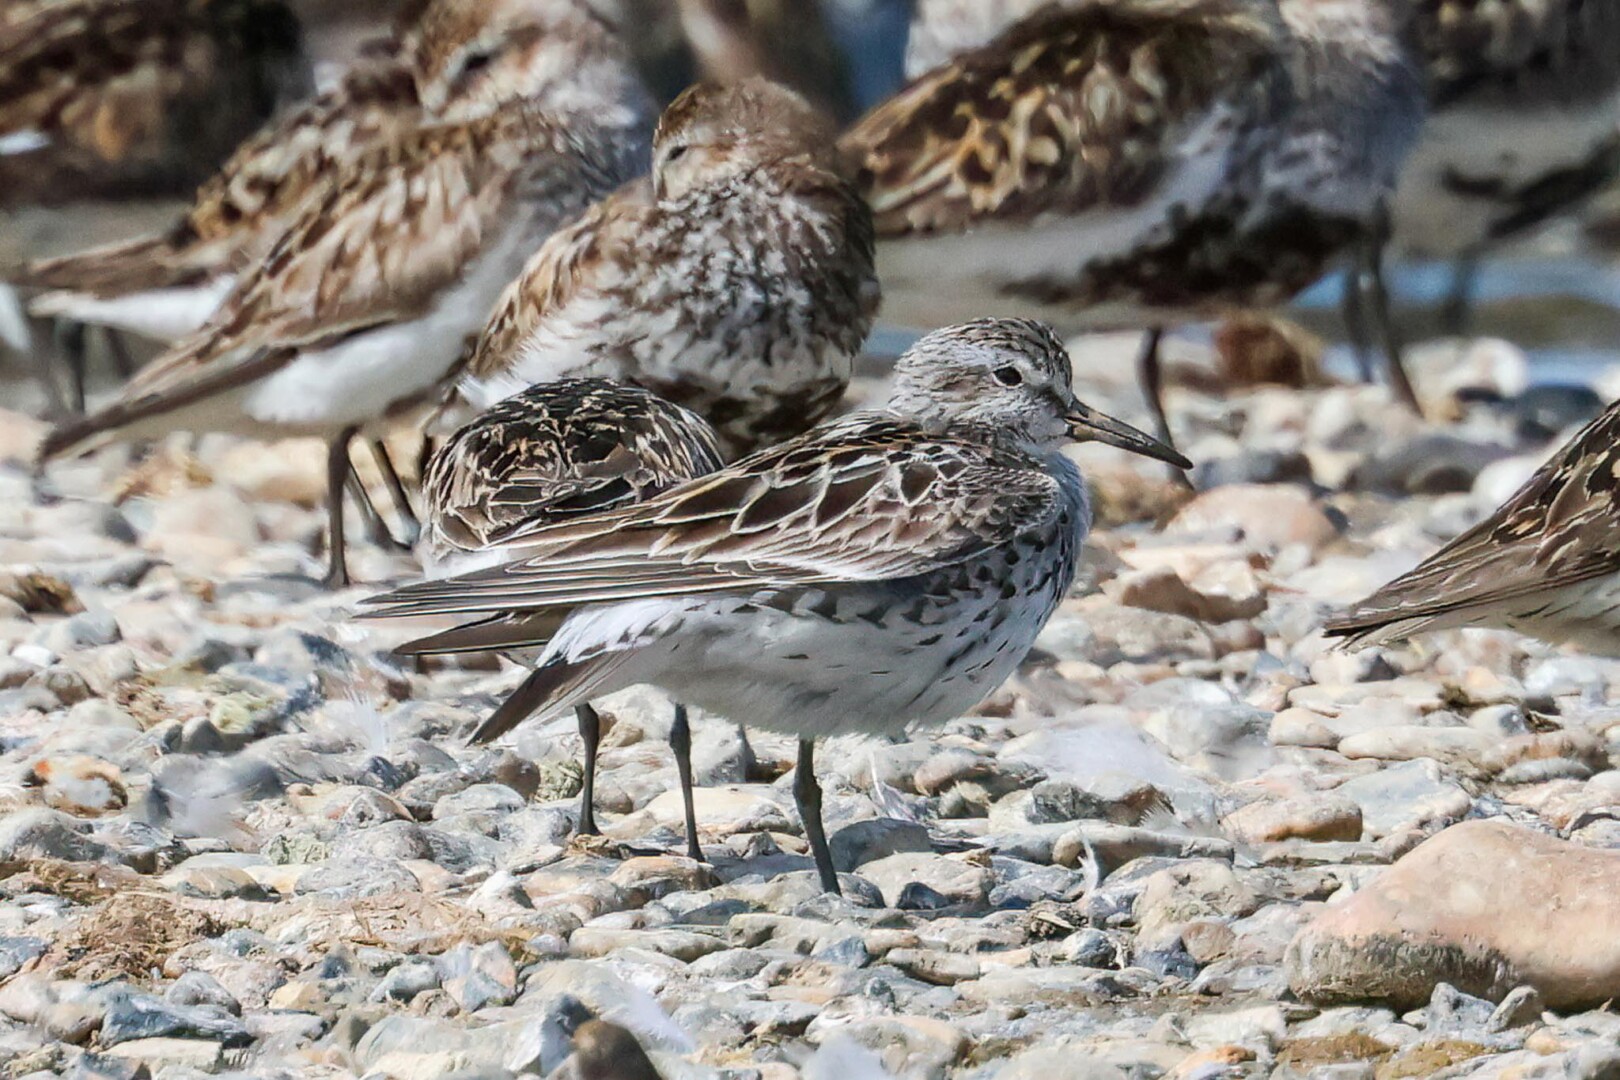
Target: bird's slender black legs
{"points": [[1150, 374], [337, 478], [69, 338], [1457, 313], [1372, 273], [807, 794], [118, 349], [409, 525], [590, 733], [680, 741], [1353, 308]]}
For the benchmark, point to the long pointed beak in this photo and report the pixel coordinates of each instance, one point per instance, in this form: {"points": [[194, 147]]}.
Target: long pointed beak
{"points": [[1089, 425]]}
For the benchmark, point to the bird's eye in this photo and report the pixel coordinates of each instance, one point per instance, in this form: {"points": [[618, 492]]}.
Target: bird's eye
{"points": [[475, 63], [1008, 376], [676, 152]]}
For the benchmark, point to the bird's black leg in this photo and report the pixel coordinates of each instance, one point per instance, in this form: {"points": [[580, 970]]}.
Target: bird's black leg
{"points": [[376, 528], [1382, 318], [1353, 307], [590, 733], [1150, 374], [70, 345], [118, 349], [402, 501], [338, 468], [1457, 312], [680, 741], [807, 793]]}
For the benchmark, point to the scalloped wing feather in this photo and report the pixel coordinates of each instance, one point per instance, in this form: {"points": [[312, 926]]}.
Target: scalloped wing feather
{"points": [[840, 504], [1068, 111], [1561, 529]]}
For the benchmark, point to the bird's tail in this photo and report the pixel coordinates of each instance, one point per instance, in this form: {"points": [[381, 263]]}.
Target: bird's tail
{"points": [[144, 263], [553, 685]]}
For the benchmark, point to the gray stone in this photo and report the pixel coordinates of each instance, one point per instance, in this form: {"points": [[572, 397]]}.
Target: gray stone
{"points": [[201, 988], [1403, 796], [40, 833], [862, 842], [134, 1015]]}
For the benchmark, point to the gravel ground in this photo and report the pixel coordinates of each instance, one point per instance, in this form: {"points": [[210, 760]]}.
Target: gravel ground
{"points": [[1187, 840]]}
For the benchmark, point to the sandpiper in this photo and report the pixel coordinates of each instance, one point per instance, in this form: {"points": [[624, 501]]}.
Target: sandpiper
{"points": [[365, 303], [736, 281], [1138, 163], [460, 57], [884, 569], [110, 99], [554, 452], [1525, 101], [1546, 563]]}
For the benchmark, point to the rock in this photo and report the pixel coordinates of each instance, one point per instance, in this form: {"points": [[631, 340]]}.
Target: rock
{"points": [[1322, 817], [656, 876], [912, 1046], [1405, 796], [1111, 846], [1266, 516], [133, 1015], [357, 877], [393, 840], [1436, 916], [201, 988], [1162, 589], [206, 525], [406, 981], [45, 834], [197, 1054], [80, 785], [1196, 889], [862, 842], [1522, 1005], [726, 811], [956, 881], [683, 945], [1459, 747]]}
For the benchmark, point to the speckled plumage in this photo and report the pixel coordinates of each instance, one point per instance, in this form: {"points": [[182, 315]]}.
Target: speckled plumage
{"points": [[462, 58], [107, 98], [884, 569], [365, 304], [1130, 163], [1546, 563], [555, 452], [738, 281], [1526, 100]]}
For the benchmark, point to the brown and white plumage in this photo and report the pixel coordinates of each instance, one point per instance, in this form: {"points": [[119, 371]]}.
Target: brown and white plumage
{"points": [[365, 303], [1116, 158], [882, 569], [1525, 107], [1135, 163], [737, 281], [1546, 563], [555, 452], [107, 98], [461, 58]]}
